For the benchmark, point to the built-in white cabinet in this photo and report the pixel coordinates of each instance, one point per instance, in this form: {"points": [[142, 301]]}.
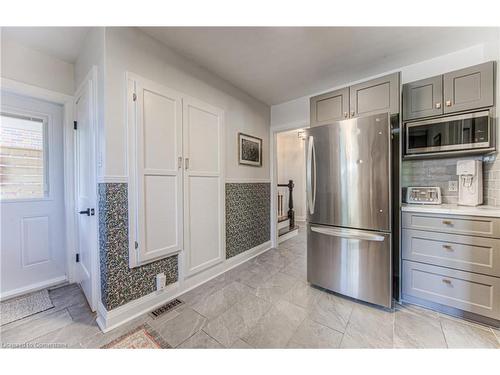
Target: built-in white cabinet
{"points": [[203, 185], [176, 191]]}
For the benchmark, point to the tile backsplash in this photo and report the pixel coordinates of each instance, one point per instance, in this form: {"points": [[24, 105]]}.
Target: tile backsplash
{"points": [[437, 172]]}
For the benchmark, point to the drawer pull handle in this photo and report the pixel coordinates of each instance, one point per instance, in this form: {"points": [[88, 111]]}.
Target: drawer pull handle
{"points": [[448, 247], [446, 281], [447, 222]]}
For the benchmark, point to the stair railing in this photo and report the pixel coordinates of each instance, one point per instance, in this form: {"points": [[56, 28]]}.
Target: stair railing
{"points": [[291, 212]]}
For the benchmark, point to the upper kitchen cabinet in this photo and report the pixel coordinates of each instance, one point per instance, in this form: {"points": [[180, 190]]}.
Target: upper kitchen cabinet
{"points": [[469, 88], [375, 96], [423, 98], [462, 90], [329, 107]]}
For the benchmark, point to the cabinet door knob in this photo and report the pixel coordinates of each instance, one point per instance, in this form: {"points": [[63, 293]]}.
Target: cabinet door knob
{"points": [[438, 105], [446, 281], [447, 222], [447, 247], [448, 103], [353, 113], [346, 114]]}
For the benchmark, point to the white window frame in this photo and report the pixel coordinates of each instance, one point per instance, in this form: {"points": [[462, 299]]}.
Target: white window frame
{"points": [[47, 136]]}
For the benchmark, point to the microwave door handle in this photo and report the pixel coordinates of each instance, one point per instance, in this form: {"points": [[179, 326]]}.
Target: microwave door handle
{"points": [[349, 234], [309, 175]]}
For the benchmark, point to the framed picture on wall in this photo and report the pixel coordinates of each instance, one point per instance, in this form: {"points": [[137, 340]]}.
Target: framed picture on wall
{"points": [[250, 150]]}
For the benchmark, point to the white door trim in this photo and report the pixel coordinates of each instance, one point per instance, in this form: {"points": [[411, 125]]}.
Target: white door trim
{"points": [[274, 172], [91, 80], [66, 101]]}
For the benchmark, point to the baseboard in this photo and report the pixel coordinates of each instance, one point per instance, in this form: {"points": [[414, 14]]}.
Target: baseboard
{"points": [[108, 320], [452, 311], [33, 288]]}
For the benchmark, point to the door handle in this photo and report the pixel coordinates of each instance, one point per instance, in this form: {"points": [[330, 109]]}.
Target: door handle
{"points": [[87, 212], [186, 163], [311, 176], [349, 234]]}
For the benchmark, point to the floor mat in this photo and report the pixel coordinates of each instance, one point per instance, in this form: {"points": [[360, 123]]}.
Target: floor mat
{"points": [[24, 306], [143, 337]]}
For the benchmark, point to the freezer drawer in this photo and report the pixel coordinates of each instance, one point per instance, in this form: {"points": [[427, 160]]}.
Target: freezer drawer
{"points": [[466, 291], [352, 262]]}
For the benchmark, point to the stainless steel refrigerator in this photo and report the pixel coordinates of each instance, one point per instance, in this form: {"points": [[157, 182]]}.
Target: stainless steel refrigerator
{"points": [[349, 208]]}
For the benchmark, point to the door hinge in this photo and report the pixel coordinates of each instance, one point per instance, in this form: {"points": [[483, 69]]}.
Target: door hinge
{"points": [[75, 125], [136, 244], [77, 258], [134, 96]]}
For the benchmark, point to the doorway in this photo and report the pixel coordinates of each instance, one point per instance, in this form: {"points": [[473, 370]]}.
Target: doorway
{"points": [[290, 200], [34, 249]]}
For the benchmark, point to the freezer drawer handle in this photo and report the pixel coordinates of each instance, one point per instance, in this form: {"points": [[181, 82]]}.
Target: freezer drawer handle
{"points": [[351, 234]]}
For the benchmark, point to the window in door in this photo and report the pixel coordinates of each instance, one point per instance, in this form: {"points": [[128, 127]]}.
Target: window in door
{"points": [[23, 161]]}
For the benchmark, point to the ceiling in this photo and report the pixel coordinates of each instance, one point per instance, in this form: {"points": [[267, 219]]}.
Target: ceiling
{"points": [[63, 43], [277, 64]]}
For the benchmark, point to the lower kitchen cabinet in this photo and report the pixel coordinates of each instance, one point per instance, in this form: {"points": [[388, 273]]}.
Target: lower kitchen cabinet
{"points": [[452, 261], [479, 294]]}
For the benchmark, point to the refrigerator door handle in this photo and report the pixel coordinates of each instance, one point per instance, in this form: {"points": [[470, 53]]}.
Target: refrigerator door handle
{"points": [[349, 234], [311, 175]]}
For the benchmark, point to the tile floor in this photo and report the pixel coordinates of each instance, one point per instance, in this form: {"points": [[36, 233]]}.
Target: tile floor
{"points": [[264, 303]]}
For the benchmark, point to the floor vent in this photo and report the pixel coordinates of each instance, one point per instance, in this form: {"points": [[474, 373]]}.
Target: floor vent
{"points": [[165, 308]]}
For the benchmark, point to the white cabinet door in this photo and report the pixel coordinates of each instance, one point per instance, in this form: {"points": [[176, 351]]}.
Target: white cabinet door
{"points": [[203, 185], [156, 178]]}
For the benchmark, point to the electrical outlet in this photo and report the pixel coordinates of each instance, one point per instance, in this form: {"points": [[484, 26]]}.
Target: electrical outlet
{"points": [[452, 185], [161, 280]]}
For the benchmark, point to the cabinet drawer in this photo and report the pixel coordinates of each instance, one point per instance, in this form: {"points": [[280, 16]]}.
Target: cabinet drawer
{"points": [[478, 294], [469, 225], [474, 254]]}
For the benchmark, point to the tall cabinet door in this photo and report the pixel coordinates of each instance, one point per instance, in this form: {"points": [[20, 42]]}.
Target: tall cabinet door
{"points": [[203, 129], [423, 98], [469, 88], [155, 189], [330, 107], [375, 96]]}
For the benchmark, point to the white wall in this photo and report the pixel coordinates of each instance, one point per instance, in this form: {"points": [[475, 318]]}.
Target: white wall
{"points": [[291, 165], [129, 49], [27, 65], [297, 111]]}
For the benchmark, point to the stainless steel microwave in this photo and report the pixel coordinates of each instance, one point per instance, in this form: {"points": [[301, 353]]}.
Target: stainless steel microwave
{"points": [[464, 133]]}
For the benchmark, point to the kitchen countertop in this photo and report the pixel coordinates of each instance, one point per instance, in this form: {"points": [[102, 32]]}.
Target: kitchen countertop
{"points": [[452, 209]]}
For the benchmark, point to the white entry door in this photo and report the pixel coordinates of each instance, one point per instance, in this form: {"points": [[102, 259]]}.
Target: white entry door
{"points": [[33, 249], [85, 193], [203, 137]]}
